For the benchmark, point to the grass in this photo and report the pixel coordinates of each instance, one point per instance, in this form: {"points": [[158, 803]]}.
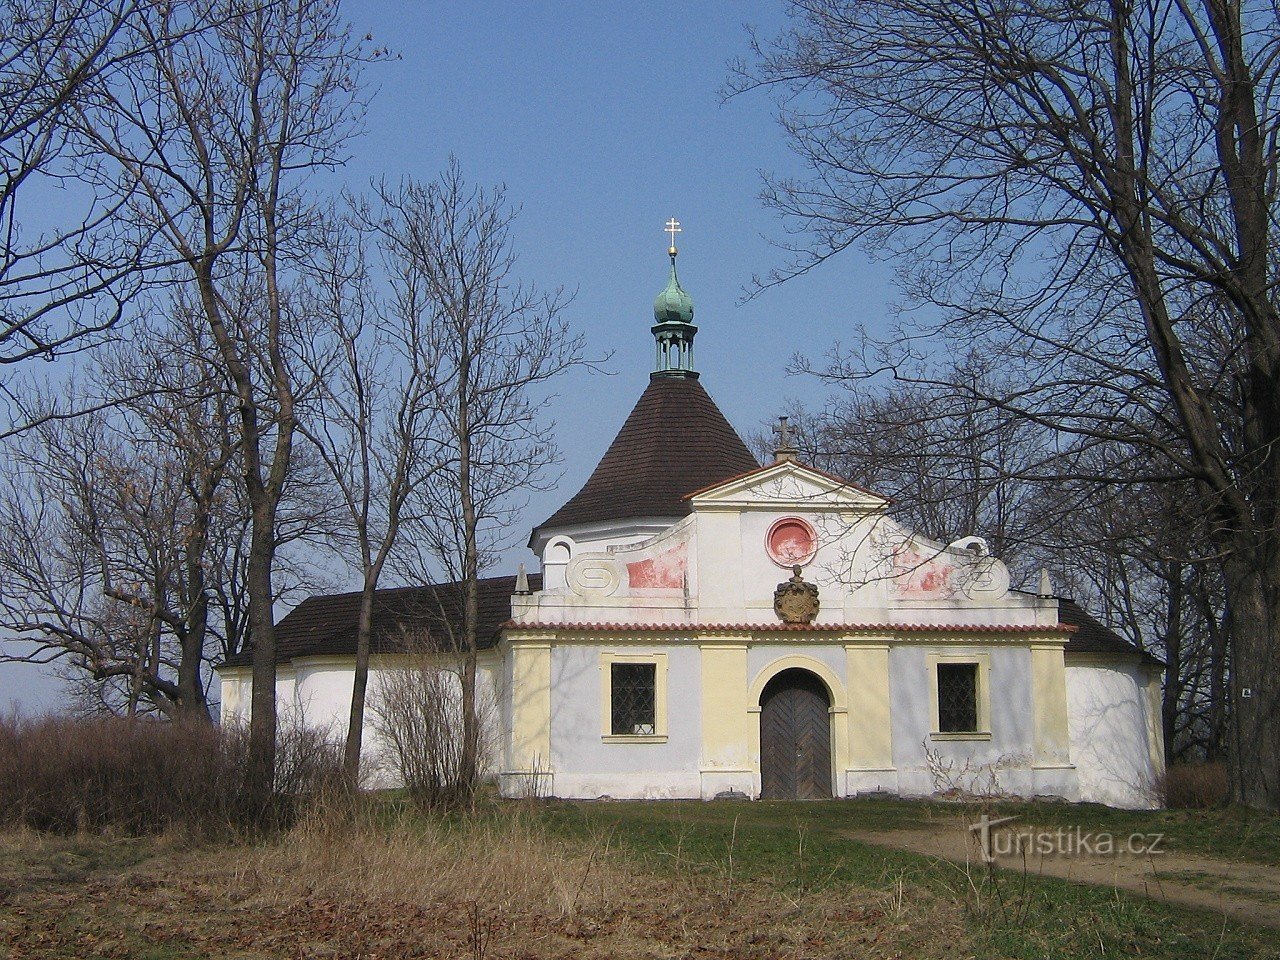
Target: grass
{"points": [[621, 879], [801, 849], [1213, 882]]}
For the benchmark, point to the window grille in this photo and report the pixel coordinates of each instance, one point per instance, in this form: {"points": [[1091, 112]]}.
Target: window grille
{"points": [[957, 697], [633, 694]]}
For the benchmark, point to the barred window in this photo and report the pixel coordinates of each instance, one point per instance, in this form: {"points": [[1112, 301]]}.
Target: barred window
{"points": [[633, 693], [957, 697]]}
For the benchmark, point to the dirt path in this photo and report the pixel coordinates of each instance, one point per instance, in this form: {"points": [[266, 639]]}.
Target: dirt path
{"points": [[1243, 891]]}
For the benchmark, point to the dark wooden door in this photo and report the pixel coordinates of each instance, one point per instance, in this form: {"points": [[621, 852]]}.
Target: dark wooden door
{"points": [[795, 738]]}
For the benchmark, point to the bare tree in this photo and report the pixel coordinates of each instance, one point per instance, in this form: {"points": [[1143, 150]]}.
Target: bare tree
{"points": [[419, 717], [1088, 191], [111, 523], [952, 466], [494, 344], [213, 140], [955, 466], [371, 420], [124, 535], [63, 281]]}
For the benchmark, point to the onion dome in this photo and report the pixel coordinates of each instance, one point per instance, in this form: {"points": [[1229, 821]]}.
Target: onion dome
{"points": [[673, 304]]}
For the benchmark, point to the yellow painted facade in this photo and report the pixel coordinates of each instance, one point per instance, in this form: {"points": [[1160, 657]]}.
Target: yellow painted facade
{"points": [[530, 745], [725, 715], [870, 730], [1049, 704]]}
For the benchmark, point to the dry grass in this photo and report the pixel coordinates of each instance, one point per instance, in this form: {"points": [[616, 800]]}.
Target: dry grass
{"points": [[379, 885], [1194, 786], [380, 854]]}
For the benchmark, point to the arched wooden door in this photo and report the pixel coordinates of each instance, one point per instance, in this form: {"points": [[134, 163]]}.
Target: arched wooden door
{"points": [[795, 738]]}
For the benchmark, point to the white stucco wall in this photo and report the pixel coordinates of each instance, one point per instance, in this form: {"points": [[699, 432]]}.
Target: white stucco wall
{"points": [[1005, 763], [316, 694], [586, 764], [1113, 744]]}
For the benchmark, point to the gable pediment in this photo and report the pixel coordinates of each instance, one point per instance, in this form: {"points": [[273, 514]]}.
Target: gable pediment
{"points": [[787, 486]]}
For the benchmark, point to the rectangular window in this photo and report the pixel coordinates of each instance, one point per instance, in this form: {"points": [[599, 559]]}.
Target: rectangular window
{"points": [[957, 697], [633, 699]]}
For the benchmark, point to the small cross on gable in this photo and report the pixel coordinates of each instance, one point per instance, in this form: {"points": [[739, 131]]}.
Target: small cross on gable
{"points": [[784, 451]]}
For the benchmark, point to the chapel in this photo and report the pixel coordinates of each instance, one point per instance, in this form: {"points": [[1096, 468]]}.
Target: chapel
{"points": [[706, 626]]}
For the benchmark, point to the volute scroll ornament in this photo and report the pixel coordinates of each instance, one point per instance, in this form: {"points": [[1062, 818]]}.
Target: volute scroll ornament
{"points": [[796, 601]]}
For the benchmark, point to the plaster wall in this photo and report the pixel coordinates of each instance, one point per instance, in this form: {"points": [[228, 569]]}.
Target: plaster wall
{"points": [[316, 695], [1110, 716], [868, 569], [587, 764], [761, 656], [1003, 762], [737, 576]]}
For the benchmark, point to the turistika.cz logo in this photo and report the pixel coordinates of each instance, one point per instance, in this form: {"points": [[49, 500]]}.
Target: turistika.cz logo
{"points": [[995, 841]]}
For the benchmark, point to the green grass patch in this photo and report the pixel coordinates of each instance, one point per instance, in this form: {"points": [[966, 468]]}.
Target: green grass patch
{"points": [[802, 847]]}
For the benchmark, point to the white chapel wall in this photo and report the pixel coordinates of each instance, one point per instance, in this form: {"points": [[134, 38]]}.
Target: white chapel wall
{"points": [[1003, 764], [1109, 717], [317, 695], [586, 765]]}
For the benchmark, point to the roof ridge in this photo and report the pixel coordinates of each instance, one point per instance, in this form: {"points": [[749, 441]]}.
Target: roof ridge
{"points": [[401, 589]]}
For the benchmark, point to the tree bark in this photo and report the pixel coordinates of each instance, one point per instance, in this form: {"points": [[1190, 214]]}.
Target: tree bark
{"points": [[1253, 583], [360, 682], [470, 578], [262, 715]]}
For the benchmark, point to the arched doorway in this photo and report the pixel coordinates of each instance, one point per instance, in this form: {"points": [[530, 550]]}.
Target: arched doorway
{"points": [[795, 737]]}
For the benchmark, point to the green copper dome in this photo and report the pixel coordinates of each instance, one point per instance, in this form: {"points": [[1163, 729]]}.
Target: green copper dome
{"points": [[673, 329], [673, 304]]}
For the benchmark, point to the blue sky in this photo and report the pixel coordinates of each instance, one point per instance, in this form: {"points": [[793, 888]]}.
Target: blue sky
{"points": [[604, 119]]}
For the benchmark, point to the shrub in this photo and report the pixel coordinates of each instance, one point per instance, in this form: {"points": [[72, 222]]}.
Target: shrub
{"points": [[142, 776], [418, 715], [1194, 786]]}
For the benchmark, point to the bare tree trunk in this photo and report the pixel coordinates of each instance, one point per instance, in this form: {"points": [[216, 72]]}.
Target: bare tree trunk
{"points": [[262, 715], [1171, 702], [1219, 705], [1254, 619], [470, 580], [360, 682], [192, 704]]}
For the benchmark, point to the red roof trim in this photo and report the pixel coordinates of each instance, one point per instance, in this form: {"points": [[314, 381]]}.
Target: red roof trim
{"points": [[769, 466], [795, 627]]}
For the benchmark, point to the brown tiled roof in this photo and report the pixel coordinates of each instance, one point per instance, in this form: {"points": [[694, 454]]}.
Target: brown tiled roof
{"points": [[675, 441], [325, 625], [1092, 636]]}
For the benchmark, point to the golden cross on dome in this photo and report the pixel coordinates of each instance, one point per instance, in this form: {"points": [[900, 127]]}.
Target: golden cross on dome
{"points": [[673, 227]]}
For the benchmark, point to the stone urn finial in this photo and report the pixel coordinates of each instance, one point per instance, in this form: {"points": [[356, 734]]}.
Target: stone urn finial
{"points": [[796, 601]]}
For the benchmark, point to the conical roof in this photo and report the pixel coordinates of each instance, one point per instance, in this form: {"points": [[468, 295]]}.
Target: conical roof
{"points": [[675, 441]]}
